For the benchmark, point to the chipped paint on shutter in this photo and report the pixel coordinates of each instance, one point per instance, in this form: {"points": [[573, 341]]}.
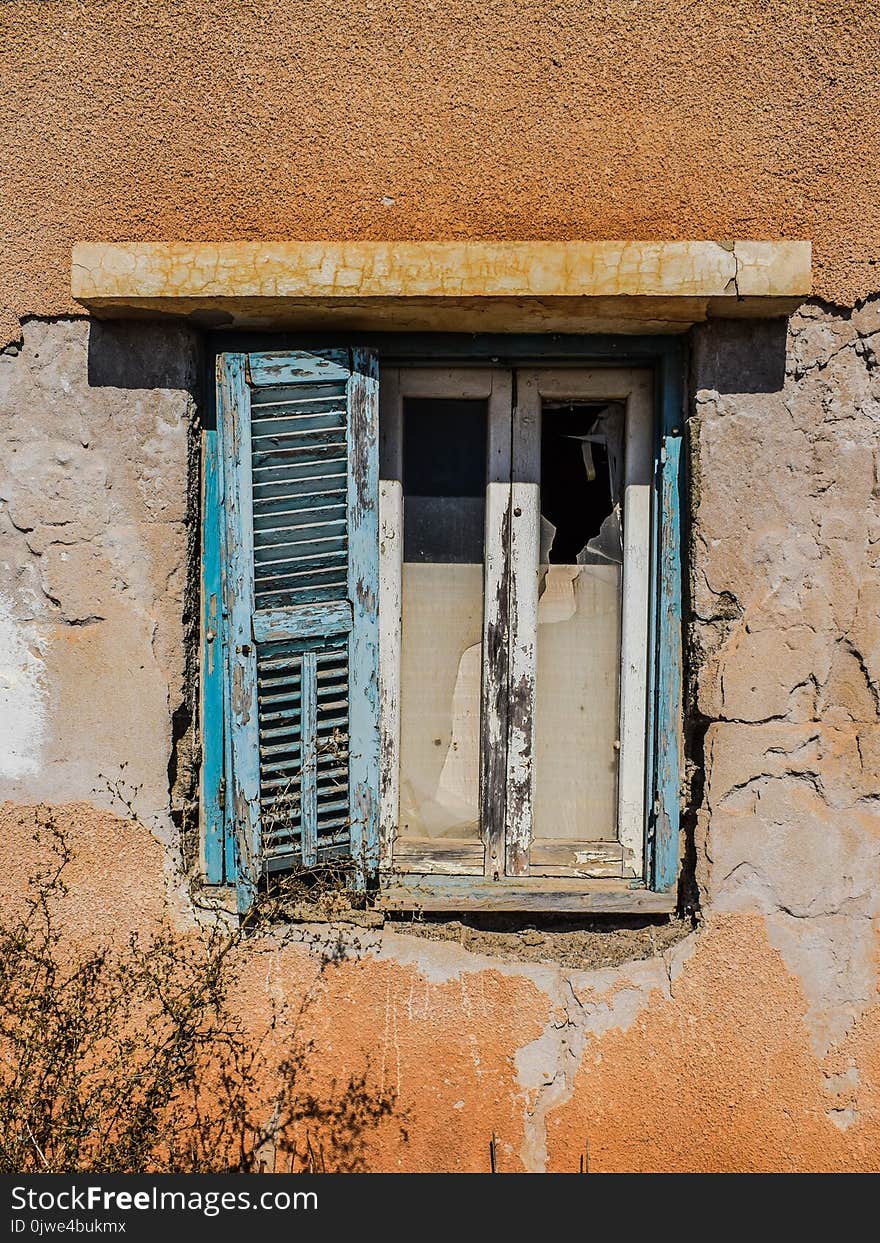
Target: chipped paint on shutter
{"points": [[666, 700], [363, 587], [242, 785], [211, 706], [302, 511]]}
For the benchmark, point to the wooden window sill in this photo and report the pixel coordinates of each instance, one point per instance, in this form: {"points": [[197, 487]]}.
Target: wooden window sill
{"points": [[533, 894]]}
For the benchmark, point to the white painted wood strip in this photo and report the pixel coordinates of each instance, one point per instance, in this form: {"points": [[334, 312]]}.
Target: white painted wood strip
{"points": [[525, 525], [363, 592], [445, 382], [586, 384], [390, 602], [638, 462], [447, 856], [496, 631], [589, 860], [390, 605]]}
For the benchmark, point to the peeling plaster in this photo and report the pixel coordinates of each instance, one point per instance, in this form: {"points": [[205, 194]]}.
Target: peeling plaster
{"points": [[581, 1006], [786, 636], [766, 1014], [23, 694], [93, 552], [584, 1007]]}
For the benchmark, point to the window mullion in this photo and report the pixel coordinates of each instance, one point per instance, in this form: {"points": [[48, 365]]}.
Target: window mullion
{"points": [[525, 525], [638, 470], [496, 626]]}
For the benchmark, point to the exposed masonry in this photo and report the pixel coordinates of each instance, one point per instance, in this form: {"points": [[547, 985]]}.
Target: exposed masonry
{"points": [[783, 647]]}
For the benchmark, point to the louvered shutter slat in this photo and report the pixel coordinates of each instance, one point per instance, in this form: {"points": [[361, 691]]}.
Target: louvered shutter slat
{"points": [[301, 585]]}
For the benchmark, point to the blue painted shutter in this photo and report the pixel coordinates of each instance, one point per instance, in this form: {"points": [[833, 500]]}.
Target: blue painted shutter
{"points": [[299, 436]]}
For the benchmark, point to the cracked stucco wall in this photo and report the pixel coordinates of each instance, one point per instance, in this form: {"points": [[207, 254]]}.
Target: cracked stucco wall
{"points": [[786, 652], [753, 1042], [93, 544]]}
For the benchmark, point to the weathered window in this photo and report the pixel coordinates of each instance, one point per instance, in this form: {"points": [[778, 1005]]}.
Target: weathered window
{"points": [[514, 653], [440, 666]]}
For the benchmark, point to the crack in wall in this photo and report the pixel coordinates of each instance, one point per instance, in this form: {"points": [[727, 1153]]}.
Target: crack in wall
{"points": [[547, 1068], [785, 640], [783, 790]]}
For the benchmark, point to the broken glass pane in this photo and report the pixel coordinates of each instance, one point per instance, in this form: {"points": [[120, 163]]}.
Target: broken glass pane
{"points": [[578, 655]]}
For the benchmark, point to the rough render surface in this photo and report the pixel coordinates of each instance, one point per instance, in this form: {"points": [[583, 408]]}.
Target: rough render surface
{"points": [[754, 1042], [211, 121], [93, 507], [786, 645]]}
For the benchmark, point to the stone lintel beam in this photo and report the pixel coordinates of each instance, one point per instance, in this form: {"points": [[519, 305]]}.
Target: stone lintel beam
{"points": [[444, 286]]}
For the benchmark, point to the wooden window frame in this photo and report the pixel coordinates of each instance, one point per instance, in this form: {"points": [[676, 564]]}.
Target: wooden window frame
{"points": [[494, 386], [506, 853], [664, 356], [634, 389]]}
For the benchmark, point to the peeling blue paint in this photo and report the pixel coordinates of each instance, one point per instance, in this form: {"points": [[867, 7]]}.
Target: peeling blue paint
{"points": [[311, 634], [237, 631], [212, 669]]}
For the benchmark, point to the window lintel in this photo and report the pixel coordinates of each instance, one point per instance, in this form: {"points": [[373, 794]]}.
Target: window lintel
{"points": [[575, 286]]}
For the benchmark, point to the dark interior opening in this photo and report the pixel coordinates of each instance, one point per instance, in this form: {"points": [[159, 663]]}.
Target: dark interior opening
{"points": [[444, 479], [576, 485]]}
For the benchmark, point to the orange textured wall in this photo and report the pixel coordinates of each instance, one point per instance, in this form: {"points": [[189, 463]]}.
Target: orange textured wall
{"points": [[699, 1062], [208, 120]]}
